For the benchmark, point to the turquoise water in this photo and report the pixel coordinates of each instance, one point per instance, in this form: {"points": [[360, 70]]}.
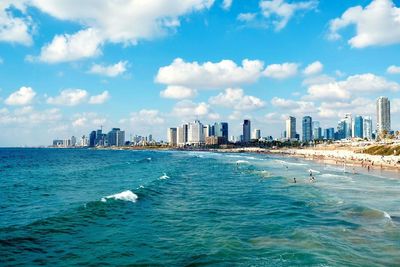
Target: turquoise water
{"points": [[63, 208]]}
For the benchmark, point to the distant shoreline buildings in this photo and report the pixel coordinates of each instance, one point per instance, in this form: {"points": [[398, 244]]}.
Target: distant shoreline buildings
{"points": [[197, 134]]}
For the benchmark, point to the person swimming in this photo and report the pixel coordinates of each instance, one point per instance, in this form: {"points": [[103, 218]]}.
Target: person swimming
{"points": [[294, 180]]}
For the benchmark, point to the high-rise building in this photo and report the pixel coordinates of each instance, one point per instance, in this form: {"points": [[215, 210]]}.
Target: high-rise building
{"points": [[221, 129], [196, 133], [246, 131], [358, 127], [291, 128], [257, 134], [317, 131], [329, 134], [348, 120], [382, 114], [73, 141], [307, 129], [367, 127], [92, 139], [341, 130], [172, 137], [116, 137], [182, 135], [207, 130]]}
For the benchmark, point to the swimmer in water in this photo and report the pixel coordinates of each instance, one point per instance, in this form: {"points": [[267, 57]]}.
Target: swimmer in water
{"points": [[294, 180]]}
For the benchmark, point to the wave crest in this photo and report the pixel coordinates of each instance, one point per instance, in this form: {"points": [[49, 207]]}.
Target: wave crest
{"points": [[125, 196]]}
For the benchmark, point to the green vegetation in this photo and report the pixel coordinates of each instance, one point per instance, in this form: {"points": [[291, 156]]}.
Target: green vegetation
{"points": [[383, 150]]}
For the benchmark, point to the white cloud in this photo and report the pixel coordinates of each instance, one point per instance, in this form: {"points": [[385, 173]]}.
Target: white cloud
{"points": [[319, 79], [123, 21], [246, 17], [178, 92], [281, 71], [99, 99], [69, 97], [145, 117], [111, 70], [356, 84], [376, 24], [236, 99], [15, 29], [87, 120], [24, 96], [314, 68], [209, 75], [393, 69], [66, 47], [281, 11], [226, 4], [293, 106], [29, 116], [188, 110]]}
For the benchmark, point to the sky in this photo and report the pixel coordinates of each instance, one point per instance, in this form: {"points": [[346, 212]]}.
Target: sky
{"points": [[68, 66]]}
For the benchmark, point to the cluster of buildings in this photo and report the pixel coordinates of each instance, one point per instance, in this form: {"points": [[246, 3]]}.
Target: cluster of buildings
{"points": [[348, 127], [115, 137], [198, 134]]}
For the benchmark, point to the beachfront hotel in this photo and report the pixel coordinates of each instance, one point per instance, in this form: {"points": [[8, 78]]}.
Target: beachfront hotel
{"points": [[382, 114]]}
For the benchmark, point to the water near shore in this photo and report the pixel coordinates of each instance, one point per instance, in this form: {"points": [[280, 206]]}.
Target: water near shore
{"points": [[88, 207]]}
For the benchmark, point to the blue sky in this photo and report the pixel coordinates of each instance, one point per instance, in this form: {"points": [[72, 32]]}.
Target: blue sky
{"points": [[67, 66]]}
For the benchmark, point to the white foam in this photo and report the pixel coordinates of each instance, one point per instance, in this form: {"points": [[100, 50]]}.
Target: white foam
{"points": [[313, 171], [386, 215], [290, 163], [164, 176], [242, 162], [125, 196]]}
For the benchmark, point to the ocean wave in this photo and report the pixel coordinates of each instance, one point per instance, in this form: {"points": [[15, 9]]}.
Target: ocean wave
{"points": [[368, 213], [314, 171], [242, 162], [124, 196], [290, 163]]}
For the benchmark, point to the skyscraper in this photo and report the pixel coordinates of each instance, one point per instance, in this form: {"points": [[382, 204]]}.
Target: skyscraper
{"points": [[329, 134], [182, 135], [196, 133], [367, 127], [172, 136], [358, 127], [348, 125], [116, 137], [382, 114], [221, 129], [246, 131], [317, 131], [307, 129], [257, 134], [291, 128], [92, 139]]}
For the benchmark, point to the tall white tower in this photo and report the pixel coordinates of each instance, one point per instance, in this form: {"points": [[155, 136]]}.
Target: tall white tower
{"points": [[382, 114]]}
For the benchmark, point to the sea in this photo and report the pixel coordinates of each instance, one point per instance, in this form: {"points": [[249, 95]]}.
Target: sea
{"points": [[83, 207]]}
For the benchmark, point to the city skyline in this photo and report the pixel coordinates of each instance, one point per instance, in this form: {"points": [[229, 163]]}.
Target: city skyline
{"points": [[215, 61]]}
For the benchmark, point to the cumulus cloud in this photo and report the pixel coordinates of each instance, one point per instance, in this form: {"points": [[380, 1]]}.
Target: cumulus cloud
{"points": [[281, 11], [178, 92], [67, 47], [69, 97], [87, 120], [361, 83], [145, 117], [294, 107], [188, 109], [376, 24], [209, 75], [393, 69], [15, 29], [29, 116], [313, 69], [24, 96], [281, 71], [99, 99], [111, 70], [236, 99], [124, 21]]}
